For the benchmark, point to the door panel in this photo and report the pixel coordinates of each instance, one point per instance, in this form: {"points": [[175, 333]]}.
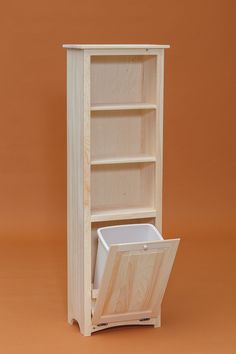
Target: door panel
{"points": [[134, 281]]}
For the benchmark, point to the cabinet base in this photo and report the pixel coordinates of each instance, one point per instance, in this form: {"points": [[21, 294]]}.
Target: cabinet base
{"points": [[156, 322]]}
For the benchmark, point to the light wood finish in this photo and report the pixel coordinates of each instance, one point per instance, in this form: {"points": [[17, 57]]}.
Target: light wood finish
{"points": [[115, 138], [154, 322], [121, 134], [78, 193], [159, 139], [123, 52], [118, 107], [75, 185], [87, 198], [115, 46], [123, 79], [123, 160], [122, 186], [122, 214], [134, 281]]}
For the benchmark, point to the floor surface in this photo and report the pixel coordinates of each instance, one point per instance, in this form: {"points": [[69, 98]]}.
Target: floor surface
{"points": [[198, 314]]}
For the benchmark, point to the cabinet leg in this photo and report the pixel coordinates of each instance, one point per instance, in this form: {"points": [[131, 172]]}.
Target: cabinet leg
{"points": [[70, 320], [158, 320], [86, 332]]}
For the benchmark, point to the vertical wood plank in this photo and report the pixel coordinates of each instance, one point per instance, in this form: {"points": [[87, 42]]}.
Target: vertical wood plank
{"points": [[159, 139], [87, 198], [78, 193], [75, 185], [159, 149]]}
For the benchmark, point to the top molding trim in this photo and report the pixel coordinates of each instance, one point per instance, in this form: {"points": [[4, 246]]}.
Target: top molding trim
{"points": [[115, 46]]}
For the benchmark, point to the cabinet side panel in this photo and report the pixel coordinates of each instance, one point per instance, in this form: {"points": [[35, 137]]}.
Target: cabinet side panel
{"points": [[75, 217], [86, 329], [159, 138]]}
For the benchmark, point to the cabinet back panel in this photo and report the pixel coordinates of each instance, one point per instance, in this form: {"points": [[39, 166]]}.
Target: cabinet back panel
{"points": [[122, 133], [122, 186], [123, 79]]}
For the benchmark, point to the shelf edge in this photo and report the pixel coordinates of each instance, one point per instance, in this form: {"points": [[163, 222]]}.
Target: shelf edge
{"points": [[120, 107], [123, 216], [98, 162]]}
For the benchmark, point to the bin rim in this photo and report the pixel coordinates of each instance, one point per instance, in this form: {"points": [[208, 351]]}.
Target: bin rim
{"points": [[100, 229]]}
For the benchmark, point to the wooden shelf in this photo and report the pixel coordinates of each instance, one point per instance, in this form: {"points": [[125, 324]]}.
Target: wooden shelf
{"points": [[118, 107], [122, 214], [123, 160]]}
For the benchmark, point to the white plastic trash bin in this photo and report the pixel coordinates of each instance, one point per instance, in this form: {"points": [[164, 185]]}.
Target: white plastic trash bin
{"points": [[120, 234]]}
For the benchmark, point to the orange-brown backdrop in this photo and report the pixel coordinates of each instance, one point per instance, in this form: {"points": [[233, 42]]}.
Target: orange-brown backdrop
{"points": [[199, 107], [199, 164]]}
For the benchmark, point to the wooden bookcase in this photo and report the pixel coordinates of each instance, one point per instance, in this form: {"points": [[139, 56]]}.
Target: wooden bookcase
{"points": [[115, 124]]}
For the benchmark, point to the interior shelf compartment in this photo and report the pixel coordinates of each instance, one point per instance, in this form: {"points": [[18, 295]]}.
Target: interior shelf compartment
{"points": [[122, 191], [125, 79], [126, 136]]}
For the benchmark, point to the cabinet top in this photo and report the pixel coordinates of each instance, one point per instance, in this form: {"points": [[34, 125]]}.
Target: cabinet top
{"points": [[115, 46]]}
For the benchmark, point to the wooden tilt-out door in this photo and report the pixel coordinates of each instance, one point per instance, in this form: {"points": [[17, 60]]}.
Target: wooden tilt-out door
{"points": [[134, 281]]}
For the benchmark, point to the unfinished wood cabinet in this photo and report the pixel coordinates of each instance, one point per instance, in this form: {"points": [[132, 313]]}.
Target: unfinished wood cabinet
{"points": [[115, 123]]}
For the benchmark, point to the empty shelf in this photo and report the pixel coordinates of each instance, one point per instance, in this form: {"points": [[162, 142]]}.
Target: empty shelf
{"points": [[114, 107], [122, 214], [122, 160]]}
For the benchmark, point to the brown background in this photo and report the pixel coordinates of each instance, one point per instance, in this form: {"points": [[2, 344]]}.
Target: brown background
{"points": [[199, 175]]}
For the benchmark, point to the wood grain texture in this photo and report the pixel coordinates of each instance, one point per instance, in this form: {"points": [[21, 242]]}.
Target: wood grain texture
{"points": [[87, 198], [122, 186], [159, 138], [115, 138], [122, 79], [134, 281], [75, 185], [78, 203], [120, 134]]}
